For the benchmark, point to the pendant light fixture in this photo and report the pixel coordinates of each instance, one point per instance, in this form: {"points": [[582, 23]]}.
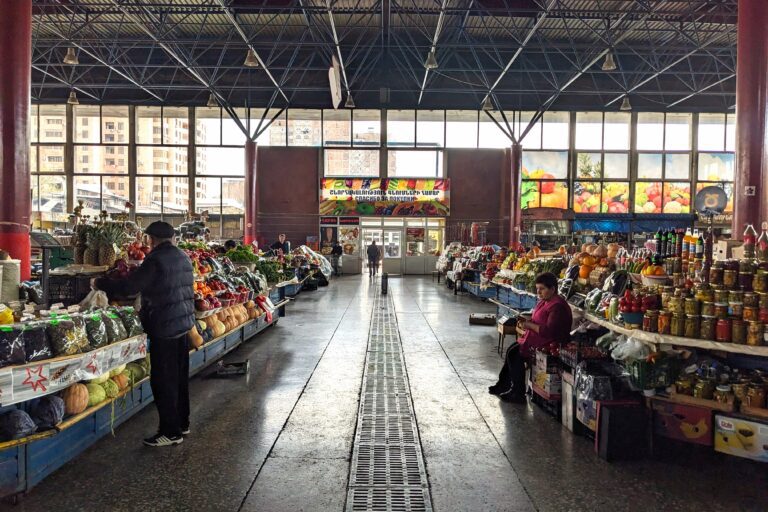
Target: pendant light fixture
{"points": [[251, 61], [431, 62], [625, 105], [609, 64], [350, 103], [71, 57], [72, 100], [488, 104], [212, 101]]}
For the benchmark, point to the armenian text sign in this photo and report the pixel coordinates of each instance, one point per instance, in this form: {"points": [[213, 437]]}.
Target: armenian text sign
{"points": [[387, 197]]}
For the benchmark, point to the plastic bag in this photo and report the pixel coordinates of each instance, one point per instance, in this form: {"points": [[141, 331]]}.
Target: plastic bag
{"points": [[81, 334], [64, 340], [36, 344], [48, 412], [16, 424], [96, 329], [95, 299], [115, 328], [130, 321], [11, 345]]}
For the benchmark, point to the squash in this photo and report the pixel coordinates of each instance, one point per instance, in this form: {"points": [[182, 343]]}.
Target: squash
{"points": [[584, 247], [613, 250], [215, 325], [75, 398], [591, 249], [121, 380], [195, 340], [603, 262], [600, 251], [584, 271], [588, 261]]}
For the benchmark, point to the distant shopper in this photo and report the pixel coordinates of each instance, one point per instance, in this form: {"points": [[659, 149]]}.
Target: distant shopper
{"points": [[281, 244], [165, 280], [336, 254], [374, 255], [550, 323], [229, 245]]}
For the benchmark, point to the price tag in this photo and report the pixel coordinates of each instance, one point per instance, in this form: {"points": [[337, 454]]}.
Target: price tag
{"points": [[503, 320]]}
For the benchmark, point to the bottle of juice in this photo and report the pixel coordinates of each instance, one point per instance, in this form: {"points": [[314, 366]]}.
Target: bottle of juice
{"points": [[686, 244]]}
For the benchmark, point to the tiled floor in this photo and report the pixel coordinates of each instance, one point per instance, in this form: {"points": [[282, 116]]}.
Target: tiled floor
{"points": [[281, 438]]}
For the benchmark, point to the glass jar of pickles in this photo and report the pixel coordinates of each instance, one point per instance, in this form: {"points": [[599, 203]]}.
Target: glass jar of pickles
{"points": [[762, 300], [692, 307], [684, 385], [730, 279], [721, 309], [716, 275], [756, 396], [723, 394], [736, 309], [721, 295], [651, 321], [678, 280], [704, 293], [708, 326], [667, 292], [755, 333], [738, 331], [740, 390], [760, 281], [676, 305], [708, 308], [751, 300], [723, 330], [704, 389], [735, 296], [750, 314], [665, 322], [692, 326], [677, 326]]}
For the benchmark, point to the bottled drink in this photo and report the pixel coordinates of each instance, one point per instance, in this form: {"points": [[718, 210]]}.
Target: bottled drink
{"points": [[750, 239], [686, 244], [762, 244], [671, 243], [659, 237], [661, 249], [700, 247], [680, 235]]}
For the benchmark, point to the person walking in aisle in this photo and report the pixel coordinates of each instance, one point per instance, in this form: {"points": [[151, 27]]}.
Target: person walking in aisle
{"points": [[165, 280], [336, 255], [374, 256]]}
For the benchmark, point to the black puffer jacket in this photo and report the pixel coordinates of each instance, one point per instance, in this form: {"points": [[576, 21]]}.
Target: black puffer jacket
{"points": [[165, 281]]}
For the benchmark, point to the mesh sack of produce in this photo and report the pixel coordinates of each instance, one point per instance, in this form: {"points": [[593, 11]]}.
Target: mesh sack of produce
{"points": [[11, 345], [115, 328], [81, 333], [48, 412], [16, 424], [96, 329], [62, 336], [36, 344], [130, 321]]}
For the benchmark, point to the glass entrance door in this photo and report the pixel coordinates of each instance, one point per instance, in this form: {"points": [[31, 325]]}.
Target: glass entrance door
{"points": [[369, 235], [393, 250]]}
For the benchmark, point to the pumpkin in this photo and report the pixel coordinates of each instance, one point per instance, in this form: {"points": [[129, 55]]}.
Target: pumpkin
{"points": [[121, 380], [600, 251], [603, 262], [588, 261], [75, 398], [561, 250], [584, 271], [613, 250], [591, 248], [584, 247], [195, 340]]}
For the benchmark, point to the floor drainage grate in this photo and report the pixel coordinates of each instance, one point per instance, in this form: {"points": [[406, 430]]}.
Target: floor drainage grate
{"points": [[387, 471]]}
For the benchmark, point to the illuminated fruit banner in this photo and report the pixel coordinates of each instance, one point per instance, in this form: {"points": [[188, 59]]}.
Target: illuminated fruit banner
{"points": [[389, 197]]}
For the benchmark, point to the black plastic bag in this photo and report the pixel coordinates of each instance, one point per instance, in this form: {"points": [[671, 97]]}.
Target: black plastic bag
{"points": [[96, 329], [115, 328], [48, 412], [16, 424], [11, 345], [130, 321], [36, 344]]}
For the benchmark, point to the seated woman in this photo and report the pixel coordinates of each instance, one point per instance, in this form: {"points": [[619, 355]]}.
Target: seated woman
{"points": [[550, 323]]}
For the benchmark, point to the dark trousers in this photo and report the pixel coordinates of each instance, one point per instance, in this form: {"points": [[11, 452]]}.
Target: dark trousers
{"points": [[169, 379], [512, 375], [373, 266]]}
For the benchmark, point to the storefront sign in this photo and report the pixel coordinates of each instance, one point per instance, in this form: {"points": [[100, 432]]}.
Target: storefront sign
{"points": [[388, 197], [349, 221], [324, 221]]}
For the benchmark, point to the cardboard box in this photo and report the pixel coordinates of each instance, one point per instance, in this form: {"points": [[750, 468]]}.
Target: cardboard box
{"points": [[586, 413], [725, 249], [546, 363], [551, 383], [742, 438]]}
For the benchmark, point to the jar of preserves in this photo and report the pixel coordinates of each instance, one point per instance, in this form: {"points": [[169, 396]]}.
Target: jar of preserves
{"points": [[756, 396], [708, 327], [760, 281], [738, 331], [736, 309], [692, 307], [735, 296], [755, 333], [667, 292], [740, 390], [705, 293], [723, 330], [651, 321], [750, 314], [675, 305], [708, 308], [692, 326], [665, 322], [723, 394], [716, 275], [762, 300], [677, 326], [684, 386], [678, 280], [762, 315], [704, 389], [721, 295], [721, 309], [751, 300], [730, 279], [745, 280]]}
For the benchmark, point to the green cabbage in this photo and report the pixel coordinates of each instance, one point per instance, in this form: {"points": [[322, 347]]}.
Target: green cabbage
{"points": [[100, 379], [111, 388], [116, 370], [96, 394]]}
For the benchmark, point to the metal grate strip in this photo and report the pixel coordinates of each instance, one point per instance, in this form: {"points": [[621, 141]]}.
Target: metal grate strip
{"points": [[405, 499], [386, 465]]}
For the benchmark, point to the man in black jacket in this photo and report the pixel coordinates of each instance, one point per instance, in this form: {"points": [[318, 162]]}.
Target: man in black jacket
{"points": [[165, 280]]}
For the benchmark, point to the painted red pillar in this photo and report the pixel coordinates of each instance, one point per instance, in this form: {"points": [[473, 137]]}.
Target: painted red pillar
{"points": [[515, 213], [751, 116], [15, 196], [251, 192]]}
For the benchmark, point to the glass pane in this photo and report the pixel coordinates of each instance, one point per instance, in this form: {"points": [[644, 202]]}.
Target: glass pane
{"points": [[175, 195], [649, 165], [554, 194], [33, 159], [730, 133], [491, 135], [49, 201], [352, 162], [233, 194], [366, 128], [101, 159], [415, 164], [33, 123], [461, 129], [88, 190], [208, 195], [208, 125], [114, 124], [148, 125], [615, 197], [430, 128], [434, 241], [269, 134], [149, 195], [589, 130], [114, 193], [555, 130], [616, 133], [650, 131], [539, 165], [231, 133], [305, 127], [337, 127], [616, 165], [53, 123], [392, 241], [678, 132], [87, 121], [532, 139], [711, 132], [220, 161], [401, 127], [589, 166], [586, 196], [51, 159], [648, 197], [716, 167], [677, 167], [677, 197], [161, 160], [728, 187], [175, 125]]}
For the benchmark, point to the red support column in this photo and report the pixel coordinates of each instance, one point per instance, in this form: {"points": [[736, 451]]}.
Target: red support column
{"points": [[515, 213], [15, 200], [751, 112], [251, 192]]}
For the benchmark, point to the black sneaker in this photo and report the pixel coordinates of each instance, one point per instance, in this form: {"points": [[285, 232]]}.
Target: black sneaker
{"points": [[513, 398], [185, 431], [495, 389], [163, 440]]}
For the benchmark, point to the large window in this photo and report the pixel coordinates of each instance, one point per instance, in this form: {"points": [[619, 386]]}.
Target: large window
{"points": [[544, 178], [352, 162], [47, 165], [716, 162], [415, 164]]}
